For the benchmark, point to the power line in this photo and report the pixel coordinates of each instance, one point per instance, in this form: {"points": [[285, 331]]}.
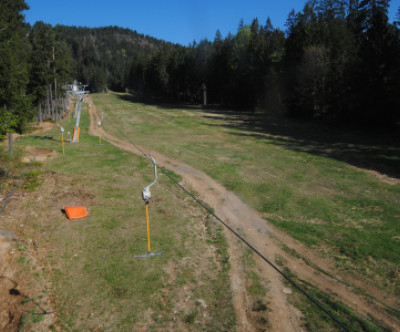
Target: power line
{"points": [[203, 205]]}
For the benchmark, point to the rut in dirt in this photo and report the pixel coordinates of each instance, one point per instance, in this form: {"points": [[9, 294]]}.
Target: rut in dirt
{"points": [[268, 241]]}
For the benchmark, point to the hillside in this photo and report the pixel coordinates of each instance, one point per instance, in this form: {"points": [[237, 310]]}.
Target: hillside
{"points": [[103, 56], [299, 195]]}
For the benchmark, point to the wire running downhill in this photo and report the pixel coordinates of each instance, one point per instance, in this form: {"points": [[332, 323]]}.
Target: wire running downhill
{"points": [[204, 206]]}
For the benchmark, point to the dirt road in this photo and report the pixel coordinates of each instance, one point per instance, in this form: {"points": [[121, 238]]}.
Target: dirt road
{"points": [[268, 240]]}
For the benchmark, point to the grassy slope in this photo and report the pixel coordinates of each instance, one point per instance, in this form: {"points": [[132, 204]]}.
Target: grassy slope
{"points": [[295, 176], [98, 284], [301, 176]]}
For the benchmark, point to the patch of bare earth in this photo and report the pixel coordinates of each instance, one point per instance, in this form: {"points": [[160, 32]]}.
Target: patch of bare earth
{"points": [[37, 128], [268, 241], [25, 303], [40, 154], [10, 312], [24, 299]]}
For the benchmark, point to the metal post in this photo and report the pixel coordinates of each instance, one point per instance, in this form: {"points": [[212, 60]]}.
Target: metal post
{"points": [[75, 139], [146, 194], [148, 228], [99, 125], [62, 141], [76, 109]]}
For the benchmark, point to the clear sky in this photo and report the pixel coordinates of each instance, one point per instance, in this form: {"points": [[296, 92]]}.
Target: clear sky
{"points": [[177, 21]]}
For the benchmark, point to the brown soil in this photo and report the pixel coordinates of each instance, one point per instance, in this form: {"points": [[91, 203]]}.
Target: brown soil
{"points": [[10, 313], [41, 154], [21, 295], [37, 128], [42, 127], [18, 288], [268, 241]]}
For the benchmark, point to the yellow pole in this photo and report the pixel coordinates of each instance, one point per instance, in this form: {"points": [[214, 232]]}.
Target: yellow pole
{"points": [[62, 142], [148, 227], [99, 135]]}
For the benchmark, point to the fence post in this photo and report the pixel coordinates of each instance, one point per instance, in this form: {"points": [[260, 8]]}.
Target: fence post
{"points": [[10, 143]]}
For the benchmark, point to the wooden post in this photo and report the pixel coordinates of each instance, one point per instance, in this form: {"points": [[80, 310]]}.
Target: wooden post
{"points": [[10, 143]]}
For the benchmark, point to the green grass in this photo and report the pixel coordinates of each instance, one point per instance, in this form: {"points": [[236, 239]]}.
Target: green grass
{"points": [[12, 168], [290, 172], [297, 174], [98, 284]]}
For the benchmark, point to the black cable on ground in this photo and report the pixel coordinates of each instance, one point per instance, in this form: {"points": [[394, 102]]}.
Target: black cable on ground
{"points": [[201, 203], [20, 179]]}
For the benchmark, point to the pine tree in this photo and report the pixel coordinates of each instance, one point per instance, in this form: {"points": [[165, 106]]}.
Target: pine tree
{"points": [[42, 39], [15, 109], [377, 66]]}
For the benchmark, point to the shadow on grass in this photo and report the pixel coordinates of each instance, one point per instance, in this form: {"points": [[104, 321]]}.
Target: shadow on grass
{"points": [[45, 137], [371, 151], [159, 103]]}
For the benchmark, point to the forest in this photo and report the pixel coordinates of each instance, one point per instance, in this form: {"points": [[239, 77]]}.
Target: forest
{"points": [[336, 61]]}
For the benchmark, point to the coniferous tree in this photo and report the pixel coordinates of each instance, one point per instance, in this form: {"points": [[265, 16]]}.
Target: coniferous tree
{"points": [[15, 110], [377, 65], [42, 40]]}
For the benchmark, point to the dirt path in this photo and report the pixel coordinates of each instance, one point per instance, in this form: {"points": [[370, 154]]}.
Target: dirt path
{"points": [[267, 239]]}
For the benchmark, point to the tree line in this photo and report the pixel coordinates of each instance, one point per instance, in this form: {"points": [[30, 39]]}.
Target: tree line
{"points": [[35, 64], [103, 56], [337, 60], [38, 62]]}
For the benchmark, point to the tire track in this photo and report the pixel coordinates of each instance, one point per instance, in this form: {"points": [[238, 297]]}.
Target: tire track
{"points": [[267, 239]]}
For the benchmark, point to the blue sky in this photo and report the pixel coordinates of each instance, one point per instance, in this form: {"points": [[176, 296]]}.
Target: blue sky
{"points": [[177, 21]]}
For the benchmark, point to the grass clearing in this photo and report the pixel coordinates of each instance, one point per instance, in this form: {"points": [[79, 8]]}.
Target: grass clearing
{"points": [[300, 176], [98, 285], [299, 179], [332, 189]]}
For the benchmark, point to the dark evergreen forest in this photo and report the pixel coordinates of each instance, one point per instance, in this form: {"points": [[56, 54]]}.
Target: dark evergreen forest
{"points": [[337, 60]]}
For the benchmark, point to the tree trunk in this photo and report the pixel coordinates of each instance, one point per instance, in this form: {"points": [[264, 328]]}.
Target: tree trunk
{"points": [[51, 102], [40, 115], [204, 94], [46, 106]]}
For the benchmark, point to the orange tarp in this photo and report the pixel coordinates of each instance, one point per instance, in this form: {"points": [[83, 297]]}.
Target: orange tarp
{"points": [[75, 212]]}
